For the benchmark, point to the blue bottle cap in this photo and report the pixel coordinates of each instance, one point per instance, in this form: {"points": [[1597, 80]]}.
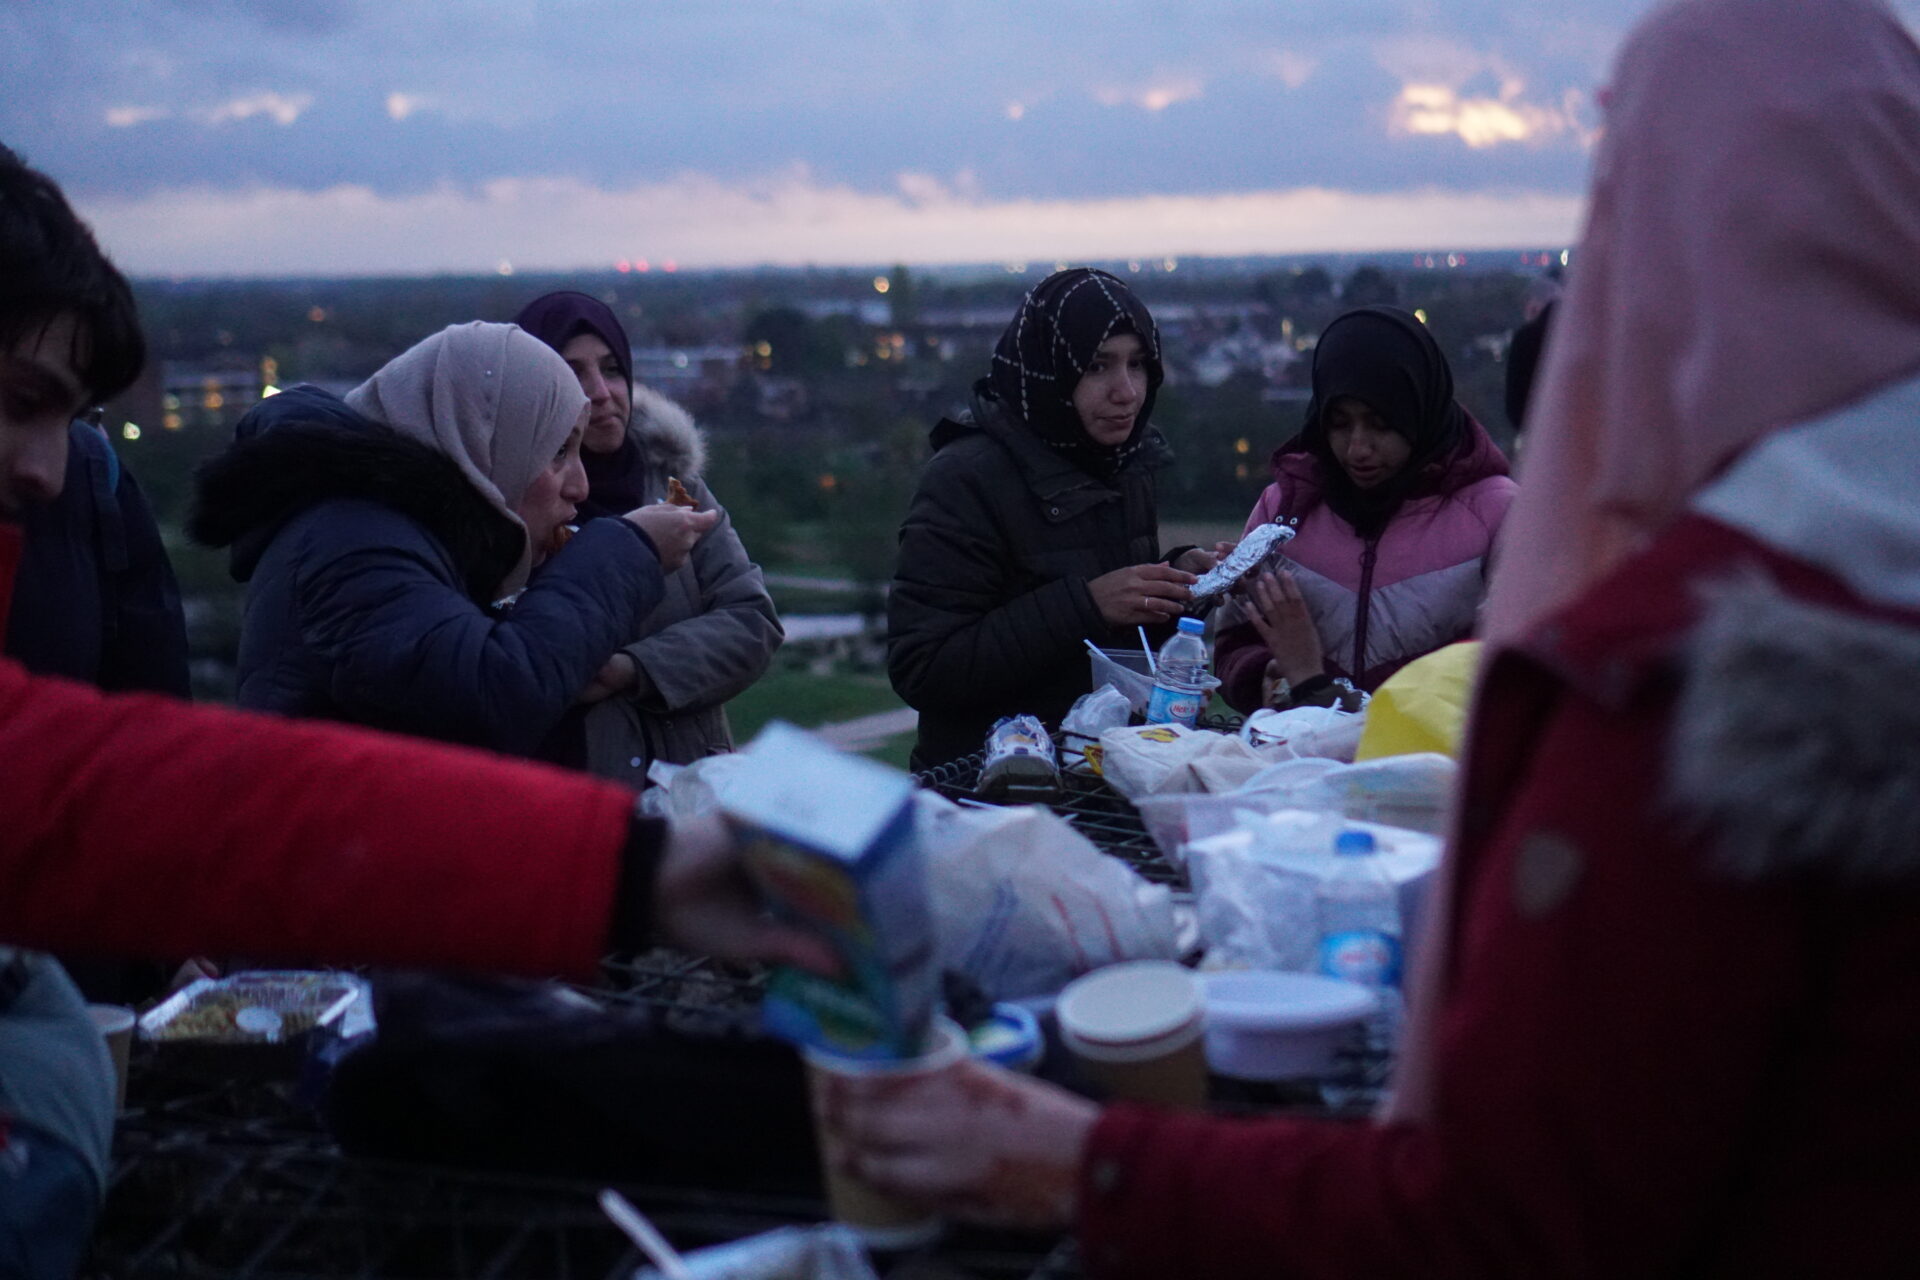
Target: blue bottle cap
{"points": [[1352, 841], [1193, 626]]}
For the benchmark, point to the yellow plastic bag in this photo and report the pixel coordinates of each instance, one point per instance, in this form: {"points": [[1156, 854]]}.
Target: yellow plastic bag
{"points": [[1423, 706]]}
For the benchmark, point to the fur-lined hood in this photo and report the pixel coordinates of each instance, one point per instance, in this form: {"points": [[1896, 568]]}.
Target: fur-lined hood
{"points": [[299, 459], [668, 437], [1797, 737]]}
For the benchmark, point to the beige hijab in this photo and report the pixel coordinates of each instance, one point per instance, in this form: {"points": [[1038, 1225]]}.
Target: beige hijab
{"points": [[1751, 260], [494, 398]]}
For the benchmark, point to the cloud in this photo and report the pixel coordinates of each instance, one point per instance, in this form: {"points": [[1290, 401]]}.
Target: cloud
{"points": [[130, 117], [1480, 122], [282, 109], [401, 105], [786, 218], [1291, 68], [1156, 96]]}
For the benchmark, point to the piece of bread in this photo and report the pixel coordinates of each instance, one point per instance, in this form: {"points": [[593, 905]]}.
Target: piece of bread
{"points": [[677, 493]]}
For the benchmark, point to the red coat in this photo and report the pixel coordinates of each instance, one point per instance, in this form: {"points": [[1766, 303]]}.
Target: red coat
{"points": [[140, 826], [1646, 1062]]}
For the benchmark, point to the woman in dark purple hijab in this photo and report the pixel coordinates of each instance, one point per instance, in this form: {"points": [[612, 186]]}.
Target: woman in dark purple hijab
{"points": [[663, 696]]}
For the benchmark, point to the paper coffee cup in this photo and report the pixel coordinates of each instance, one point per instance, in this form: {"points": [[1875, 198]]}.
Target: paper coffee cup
{"points": [[1136, 1029], [882, 1221], [115, 1024]]}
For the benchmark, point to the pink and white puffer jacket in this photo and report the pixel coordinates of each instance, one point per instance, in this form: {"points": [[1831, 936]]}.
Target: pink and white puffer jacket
{"points": [[1378, 604]]}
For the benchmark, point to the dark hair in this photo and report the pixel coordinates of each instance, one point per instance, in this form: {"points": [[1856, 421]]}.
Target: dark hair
{"points": [[50, 266]]}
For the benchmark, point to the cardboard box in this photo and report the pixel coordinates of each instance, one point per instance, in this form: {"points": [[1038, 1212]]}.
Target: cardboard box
{"points": [[829, 838]]}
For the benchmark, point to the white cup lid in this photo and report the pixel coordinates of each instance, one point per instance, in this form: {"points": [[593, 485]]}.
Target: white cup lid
{"points": [[1127, 1003]]}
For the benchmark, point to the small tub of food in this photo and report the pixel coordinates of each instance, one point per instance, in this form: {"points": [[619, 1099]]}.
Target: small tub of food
{"points": [[1268, 1025], [264, 1019]]}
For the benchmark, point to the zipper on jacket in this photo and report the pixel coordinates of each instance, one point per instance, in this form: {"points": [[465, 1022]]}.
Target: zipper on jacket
{"points": [[1364, 607]]}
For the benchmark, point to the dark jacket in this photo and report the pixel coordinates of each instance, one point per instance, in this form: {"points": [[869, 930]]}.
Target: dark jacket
{"points": [[370, 559], [990, 609], [96, 598]]}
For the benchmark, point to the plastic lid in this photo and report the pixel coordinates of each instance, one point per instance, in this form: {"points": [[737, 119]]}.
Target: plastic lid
{"points": [[1193, 626], [1134, 1004], [1009, 1038], [1353, 841], [1260, 999]]}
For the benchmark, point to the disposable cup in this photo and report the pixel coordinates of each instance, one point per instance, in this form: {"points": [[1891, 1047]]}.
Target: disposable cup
{"points": [[115, 1024], [883, 1221], [1137, 1030]]}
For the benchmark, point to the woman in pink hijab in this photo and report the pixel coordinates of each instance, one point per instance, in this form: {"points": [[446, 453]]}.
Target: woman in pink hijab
{"points": [[1672, 1022]]}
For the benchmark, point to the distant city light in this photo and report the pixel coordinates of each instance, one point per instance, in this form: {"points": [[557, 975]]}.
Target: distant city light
{"points": [[505, 268], [881, 284], [1016, 268], [318, 315], [642, 265], [1169, 263], [1563, 257], [1421, 316], [623, 266], [669, 266], [171, 421], [829, 483], [1133, 266], [1243, 445], [129, 432]]}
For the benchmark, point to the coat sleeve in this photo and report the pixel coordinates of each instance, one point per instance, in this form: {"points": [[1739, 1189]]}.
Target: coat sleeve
{"points": [[147, 645], [407, 643], [704, 660], [1607, 1058], [955, 633], [135, 825]]}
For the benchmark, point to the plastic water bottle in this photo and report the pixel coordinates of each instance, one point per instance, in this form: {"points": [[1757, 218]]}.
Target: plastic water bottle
{"points": [[1181, 682], [1359, 915]]}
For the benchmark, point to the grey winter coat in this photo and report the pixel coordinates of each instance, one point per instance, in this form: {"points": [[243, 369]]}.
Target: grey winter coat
{"points": [[710, 638]]}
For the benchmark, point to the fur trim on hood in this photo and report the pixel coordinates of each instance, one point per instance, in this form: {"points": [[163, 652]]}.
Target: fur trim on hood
{"points": [[1797, 735], [243, 496], [668, 437]]}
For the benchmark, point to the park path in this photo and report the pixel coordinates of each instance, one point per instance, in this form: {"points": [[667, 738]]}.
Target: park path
{"points": [[868, 732]]}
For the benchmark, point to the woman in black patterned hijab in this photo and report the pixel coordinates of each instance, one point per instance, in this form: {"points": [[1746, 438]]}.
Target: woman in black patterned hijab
{"points": [[1034, 528]]}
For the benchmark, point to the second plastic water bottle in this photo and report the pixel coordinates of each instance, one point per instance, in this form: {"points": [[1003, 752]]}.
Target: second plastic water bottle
{"points": [[1181, 682]]}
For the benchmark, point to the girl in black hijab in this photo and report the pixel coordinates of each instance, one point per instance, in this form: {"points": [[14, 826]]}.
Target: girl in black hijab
{"points": [[1034, 528], [1395, 493]]}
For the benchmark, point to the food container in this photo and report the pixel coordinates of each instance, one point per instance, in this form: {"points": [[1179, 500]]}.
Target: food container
{"points": [[1010, 1038], [1270, 1025], [262, 1020]]}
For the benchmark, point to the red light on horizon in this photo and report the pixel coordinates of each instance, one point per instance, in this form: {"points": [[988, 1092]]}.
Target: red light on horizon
{"points": [[623, 266], [641, 264], [669, 266]]}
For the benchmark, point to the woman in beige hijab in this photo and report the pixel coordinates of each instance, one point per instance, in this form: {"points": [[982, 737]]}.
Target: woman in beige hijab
{"points": [[1671, 1023], [382, 538]]}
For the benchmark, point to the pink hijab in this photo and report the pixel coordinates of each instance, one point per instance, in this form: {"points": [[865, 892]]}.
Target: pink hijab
{"points": [[1751, 260]]}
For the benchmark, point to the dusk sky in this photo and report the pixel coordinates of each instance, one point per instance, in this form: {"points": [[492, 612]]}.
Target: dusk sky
{"points": [[269, 137]]}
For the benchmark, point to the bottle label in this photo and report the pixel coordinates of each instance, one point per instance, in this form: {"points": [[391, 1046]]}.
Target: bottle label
{"points": [[1365, 956], [1175, 706]]}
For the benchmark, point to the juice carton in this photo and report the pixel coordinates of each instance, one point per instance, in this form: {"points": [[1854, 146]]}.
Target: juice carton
{"points": [[830, 841]]}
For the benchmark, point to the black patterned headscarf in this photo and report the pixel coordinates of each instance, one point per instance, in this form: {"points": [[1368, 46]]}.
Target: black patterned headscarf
{"points": [[1053, 338]]}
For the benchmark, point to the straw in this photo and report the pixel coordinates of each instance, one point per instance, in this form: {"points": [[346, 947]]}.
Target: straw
{"points": [[1147, 649], [642, 1233]]}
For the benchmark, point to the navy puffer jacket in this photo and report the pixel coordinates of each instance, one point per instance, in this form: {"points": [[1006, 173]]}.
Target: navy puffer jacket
{"points": [[370, 560]]}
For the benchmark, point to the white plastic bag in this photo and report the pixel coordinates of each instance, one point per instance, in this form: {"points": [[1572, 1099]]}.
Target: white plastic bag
{"points": [[1154, 759], [1307, 731], [1095, 713], [829, 1251], [1254, 885], [1023, 904], [692, 790]]}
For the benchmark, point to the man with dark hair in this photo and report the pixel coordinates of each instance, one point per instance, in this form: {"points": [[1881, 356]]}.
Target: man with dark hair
{"points": [[134, 825]]}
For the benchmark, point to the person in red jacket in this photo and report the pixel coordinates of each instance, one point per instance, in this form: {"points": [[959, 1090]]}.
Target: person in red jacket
{"points": [[1672, 1025], [137, 826]]}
